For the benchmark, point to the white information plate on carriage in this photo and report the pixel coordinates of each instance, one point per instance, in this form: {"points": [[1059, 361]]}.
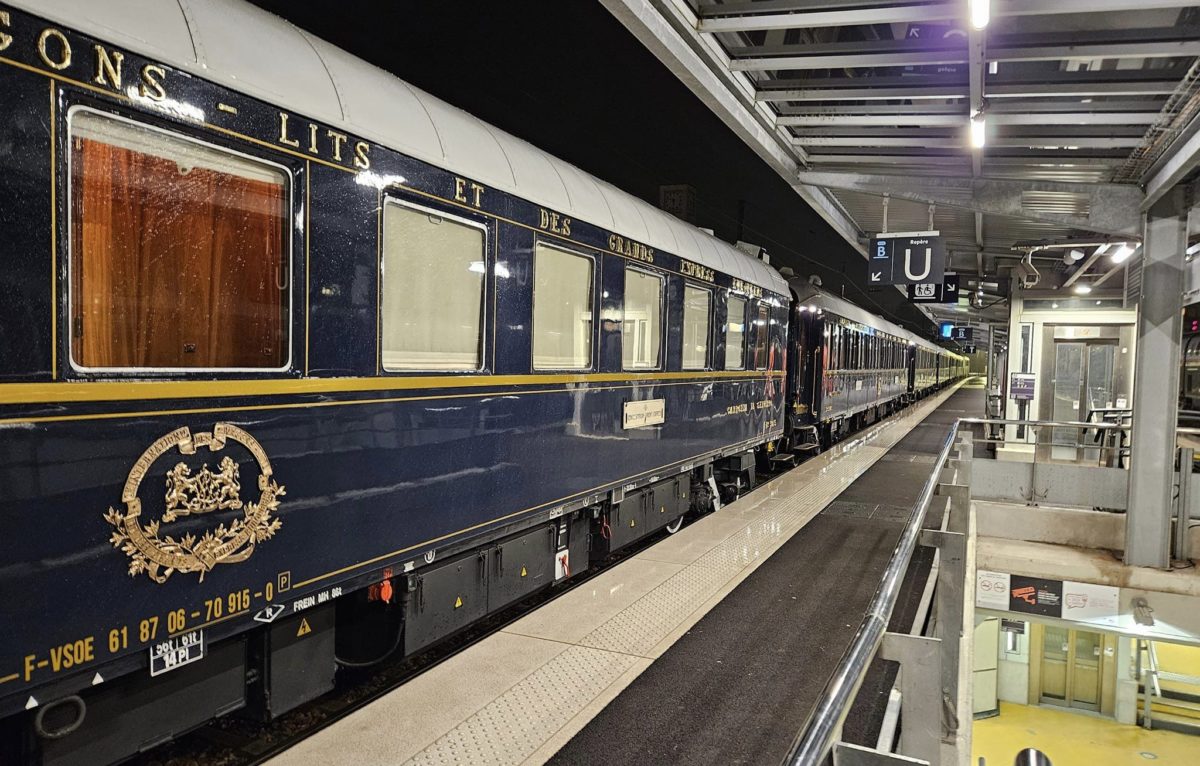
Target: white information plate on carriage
{"points": [[173, 653], [648, 412]]}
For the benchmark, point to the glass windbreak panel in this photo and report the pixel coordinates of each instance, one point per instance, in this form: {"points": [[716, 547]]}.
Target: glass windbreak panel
{"points": [[697, 303], [1101, 361], [433, 277], [562, 310], [179, 252], [735, 334], [762, 327], [1068, 383], [641, 326]]}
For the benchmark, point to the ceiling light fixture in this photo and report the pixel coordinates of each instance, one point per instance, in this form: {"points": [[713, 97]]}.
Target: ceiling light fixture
{"points": [[978, 130], [981, 13], [1122, 253], [1082, 289]]}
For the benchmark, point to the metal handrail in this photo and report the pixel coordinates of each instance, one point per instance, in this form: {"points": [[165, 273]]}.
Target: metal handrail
{"points": [[815, 741]]}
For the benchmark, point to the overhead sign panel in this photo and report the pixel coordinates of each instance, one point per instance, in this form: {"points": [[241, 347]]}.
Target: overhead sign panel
{"points": [[907, 258], [964, 334], [945, 291]]}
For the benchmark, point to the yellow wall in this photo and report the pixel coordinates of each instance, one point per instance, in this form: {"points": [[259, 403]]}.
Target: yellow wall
{"points": [[1177, 658]]}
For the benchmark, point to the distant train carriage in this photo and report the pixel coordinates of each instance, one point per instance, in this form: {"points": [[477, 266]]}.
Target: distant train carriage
{"points": [[849, 367], [299, 361]]}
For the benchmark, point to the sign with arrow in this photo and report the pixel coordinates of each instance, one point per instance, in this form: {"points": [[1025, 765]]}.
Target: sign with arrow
{"points": [[906, 258], [934, 292]]}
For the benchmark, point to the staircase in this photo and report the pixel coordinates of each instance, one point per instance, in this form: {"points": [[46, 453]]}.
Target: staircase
{"points": [[1168, 709]]}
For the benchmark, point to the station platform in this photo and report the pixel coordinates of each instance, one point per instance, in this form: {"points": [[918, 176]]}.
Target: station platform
{"points": [[710, 646]]}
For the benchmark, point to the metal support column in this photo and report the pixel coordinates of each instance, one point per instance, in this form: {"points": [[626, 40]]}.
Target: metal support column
{"points": [[920, 693], [951, 582], [1156, 384]]}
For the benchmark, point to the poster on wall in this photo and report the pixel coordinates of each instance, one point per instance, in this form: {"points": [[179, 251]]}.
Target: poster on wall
{"points": [[1033, 595], [1086, 602]]}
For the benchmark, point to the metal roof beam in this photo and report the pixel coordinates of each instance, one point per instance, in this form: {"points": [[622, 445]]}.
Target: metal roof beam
{"points": [[1071, 118], [806, 14], [874, 110], [698, 61], [1122, 50], [1180, 159], [1112, 208], [859, 60], [937, 93], [1083, 267], [1082, 90], [921, 119]]}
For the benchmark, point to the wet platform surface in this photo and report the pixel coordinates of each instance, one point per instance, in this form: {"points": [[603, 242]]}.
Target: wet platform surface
{"points": [[677, 653]]}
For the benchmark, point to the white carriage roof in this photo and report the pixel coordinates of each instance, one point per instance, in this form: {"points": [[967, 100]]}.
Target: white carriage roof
{"points": [[250, 50], [814, 297]]}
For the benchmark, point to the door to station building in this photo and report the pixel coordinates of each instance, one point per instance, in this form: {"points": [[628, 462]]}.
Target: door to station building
{"points": [[1072, 668]]}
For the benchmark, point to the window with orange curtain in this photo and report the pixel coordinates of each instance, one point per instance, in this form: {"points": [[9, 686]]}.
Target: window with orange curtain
{"points": [[178, 252]]}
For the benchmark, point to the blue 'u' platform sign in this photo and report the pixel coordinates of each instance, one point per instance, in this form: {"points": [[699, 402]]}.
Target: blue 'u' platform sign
{"points": [[906, 258]]}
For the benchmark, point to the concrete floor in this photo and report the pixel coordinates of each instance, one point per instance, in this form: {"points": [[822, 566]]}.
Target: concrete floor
{"points": [[1077, 739]]}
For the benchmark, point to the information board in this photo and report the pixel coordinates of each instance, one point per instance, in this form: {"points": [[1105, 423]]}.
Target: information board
{"points": [[907, 258], [945, 291], [1020, 385]]}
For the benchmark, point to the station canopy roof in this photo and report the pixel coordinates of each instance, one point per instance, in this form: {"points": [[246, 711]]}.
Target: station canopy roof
{"points": [[1087, 110]]}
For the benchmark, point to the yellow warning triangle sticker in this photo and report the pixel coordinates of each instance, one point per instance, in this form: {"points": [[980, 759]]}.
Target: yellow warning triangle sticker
{"points": [[458, 602], [523, 572], [305, 628]]}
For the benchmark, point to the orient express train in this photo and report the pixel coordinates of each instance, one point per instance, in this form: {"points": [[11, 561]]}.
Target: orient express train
{"points": [[300, 366]]}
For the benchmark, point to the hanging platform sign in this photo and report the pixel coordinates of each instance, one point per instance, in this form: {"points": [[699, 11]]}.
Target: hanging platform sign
{"points": [[907, 258], [945, 291]]}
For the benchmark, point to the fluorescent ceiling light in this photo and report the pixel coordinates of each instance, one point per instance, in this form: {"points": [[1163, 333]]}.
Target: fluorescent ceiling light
{"points": [[1103, 249], [978, 131], [1122, 253], [1082, 289], [981, 13], [1194, 249]]}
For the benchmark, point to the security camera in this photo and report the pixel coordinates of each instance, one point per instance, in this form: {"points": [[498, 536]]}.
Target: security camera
{"points": [[1026, 274]]}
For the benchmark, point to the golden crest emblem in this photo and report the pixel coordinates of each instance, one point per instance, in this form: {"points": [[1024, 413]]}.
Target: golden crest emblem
{"points": [[190, 494]]}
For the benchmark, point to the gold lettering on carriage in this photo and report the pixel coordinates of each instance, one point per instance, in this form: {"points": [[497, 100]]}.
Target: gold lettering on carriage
{"points": [[189, 493], [630, 248], [328, 144], [689, 269], [741, 286], [553, 222]]}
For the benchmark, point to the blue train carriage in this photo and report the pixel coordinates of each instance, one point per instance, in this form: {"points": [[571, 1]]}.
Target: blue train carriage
{"points": [[297, 361], [848, 367]]}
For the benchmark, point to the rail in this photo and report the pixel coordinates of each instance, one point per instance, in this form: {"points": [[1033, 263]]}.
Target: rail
{"points": [[816, 740]]}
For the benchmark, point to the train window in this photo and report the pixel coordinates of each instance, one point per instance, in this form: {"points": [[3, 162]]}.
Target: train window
{"points": [[641, 325], [735, 334], [762, 327], [562, 309], [433, 281], [179, 252], [697, 304]]}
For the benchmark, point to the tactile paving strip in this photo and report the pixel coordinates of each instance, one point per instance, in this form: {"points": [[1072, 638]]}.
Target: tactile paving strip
{"points": [[513, 726]]}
